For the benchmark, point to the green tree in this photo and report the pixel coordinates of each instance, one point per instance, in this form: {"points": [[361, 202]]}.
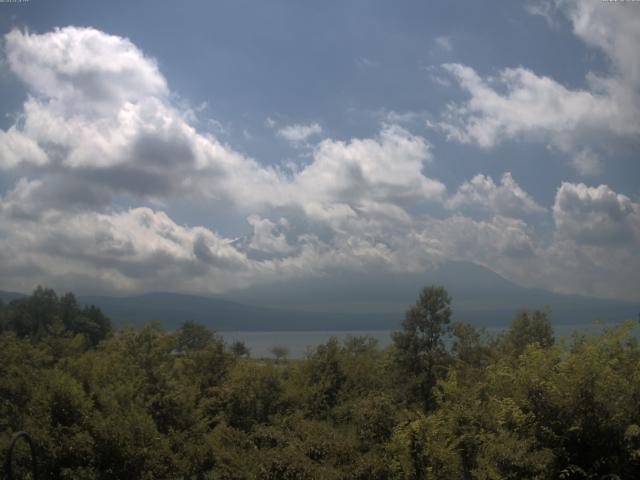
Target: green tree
{"points": [[69, 310], [33, 316], [527, 328], [324, 378], [252, 395], [193, 336], [93, 323], [420, 352], [280, 352], [469, 347], [43, 315], [423, 448], [240, 349], [3, 317], [362, 366]]}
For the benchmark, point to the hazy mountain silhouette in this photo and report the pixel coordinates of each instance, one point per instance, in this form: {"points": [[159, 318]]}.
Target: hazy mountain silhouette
{"points": [[6, 297], [171, 309], [480, 296], [357, 301]]}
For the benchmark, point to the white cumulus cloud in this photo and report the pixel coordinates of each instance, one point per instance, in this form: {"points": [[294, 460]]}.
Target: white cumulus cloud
{"points": [[299, 133], [596, 216], [100, 123], [99, 113], [506, 198], [517, 103]]}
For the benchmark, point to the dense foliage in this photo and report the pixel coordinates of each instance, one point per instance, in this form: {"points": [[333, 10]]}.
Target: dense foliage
{"points": [[444, 401]]}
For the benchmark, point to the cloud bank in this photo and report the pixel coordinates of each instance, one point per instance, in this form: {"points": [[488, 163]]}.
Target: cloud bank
{"points": [[99, 129]]}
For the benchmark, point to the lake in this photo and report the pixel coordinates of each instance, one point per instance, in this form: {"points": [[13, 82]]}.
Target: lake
{"points": [[298, 343]]}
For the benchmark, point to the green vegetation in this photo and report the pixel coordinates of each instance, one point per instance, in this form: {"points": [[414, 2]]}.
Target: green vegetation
{"points": [[444, 401]]}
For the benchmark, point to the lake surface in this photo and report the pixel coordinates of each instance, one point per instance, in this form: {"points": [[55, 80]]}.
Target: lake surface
{"points": [[299, 343]]}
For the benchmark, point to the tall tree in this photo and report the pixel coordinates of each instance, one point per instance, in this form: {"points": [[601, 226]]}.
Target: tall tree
{"points": [[420, 351], [527, 328], [34, 315], [240, 349], [193, 336]]}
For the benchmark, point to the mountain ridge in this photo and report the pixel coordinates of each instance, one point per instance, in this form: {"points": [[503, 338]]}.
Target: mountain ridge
{"points": [[354, 301]]}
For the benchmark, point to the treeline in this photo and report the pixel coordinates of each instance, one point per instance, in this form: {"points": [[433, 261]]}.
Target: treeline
{"points": [[44, 315], [444, 401]]}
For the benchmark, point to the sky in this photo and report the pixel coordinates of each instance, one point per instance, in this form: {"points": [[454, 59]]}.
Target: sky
{"points": [[205, 146]]}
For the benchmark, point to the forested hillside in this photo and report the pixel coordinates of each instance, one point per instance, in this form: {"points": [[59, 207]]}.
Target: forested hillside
{"points": [[149, 403]]}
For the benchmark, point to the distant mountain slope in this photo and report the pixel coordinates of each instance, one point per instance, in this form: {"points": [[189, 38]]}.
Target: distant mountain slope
{"points": [[480, 296], [354, 301], [6, 297], [172, 309]]}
